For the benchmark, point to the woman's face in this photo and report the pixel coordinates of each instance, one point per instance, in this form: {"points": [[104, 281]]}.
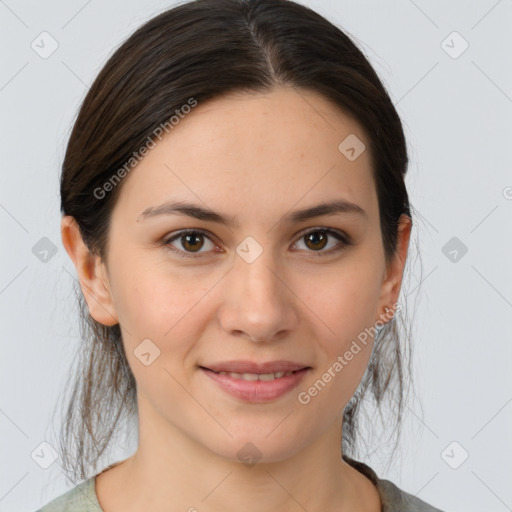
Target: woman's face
{"points": [[258, 288]]}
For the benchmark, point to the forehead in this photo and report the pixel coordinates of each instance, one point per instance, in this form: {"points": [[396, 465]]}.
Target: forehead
{"points": [[247, 151]]}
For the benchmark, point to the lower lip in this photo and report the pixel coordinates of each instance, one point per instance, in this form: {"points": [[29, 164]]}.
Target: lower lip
{"points": [[257, 391]]}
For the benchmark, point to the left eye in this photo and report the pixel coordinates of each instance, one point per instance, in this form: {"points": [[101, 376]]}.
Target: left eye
{"points": [[192, 241], [317, 240]]}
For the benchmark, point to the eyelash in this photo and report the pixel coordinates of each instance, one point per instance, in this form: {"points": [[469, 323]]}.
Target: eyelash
{"points": [[343, 238]]}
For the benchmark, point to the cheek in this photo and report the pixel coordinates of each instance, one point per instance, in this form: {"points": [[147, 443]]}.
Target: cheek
{"points": [[342, 357], [158, 302], [345, 300], [344, 303], [169, 309]]}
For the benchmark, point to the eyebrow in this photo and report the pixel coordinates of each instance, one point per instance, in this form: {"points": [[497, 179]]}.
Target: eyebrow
{"points": [[198, 212]]}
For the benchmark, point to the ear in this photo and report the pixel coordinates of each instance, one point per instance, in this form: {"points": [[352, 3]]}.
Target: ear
{"points": [[392, 281], [91, 272]]}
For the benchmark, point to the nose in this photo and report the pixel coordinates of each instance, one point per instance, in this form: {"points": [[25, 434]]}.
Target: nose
{"points": [[258, 303]]}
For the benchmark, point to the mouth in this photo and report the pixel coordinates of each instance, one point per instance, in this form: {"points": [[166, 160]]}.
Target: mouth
{"points": [[255, 383], [265, 377], [244, 366]]}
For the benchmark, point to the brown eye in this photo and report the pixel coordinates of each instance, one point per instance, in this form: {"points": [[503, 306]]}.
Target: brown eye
{"points": [[192, 242], [189, 243], [316, 240]]}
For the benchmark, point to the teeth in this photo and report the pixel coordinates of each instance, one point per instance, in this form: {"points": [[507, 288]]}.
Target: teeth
{"points": [[244, 376], [256, 376]]}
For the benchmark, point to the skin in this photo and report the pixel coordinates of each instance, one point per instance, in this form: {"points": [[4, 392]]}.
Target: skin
{"points": [[289, 303]]}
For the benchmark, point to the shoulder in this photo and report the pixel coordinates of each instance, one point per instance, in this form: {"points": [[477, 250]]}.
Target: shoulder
{"points": [[81, 498], [392, 497], [396, 500]]}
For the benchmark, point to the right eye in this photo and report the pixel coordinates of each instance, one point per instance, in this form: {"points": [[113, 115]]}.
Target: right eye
{"points": [[191, 241]]}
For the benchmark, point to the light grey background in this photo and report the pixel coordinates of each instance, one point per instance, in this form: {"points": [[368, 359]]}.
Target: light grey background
{"points": [[457, 112]]}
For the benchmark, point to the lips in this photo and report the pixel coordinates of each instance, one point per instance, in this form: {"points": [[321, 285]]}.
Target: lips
{"points": [[244, 366], [256, 387], [254, 382]]}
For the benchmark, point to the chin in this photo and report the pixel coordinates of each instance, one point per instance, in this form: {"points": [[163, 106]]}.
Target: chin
{"points": [[259, 448]]}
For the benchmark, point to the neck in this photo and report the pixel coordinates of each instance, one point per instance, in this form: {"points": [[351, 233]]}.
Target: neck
{"points": [[171, 470]]}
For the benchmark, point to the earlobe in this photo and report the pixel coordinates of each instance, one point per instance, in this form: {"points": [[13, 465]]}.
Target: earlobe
{"points": [[91, 274]]}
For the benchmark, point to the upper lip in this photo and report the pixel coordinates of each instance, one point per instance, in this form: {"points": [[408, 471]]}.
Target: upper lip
{"points": [[242, 366]]}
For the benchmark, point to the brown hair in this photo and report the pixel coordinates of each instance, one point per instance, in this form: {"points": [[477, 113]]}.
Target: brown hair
{"points": [[204, 49]]}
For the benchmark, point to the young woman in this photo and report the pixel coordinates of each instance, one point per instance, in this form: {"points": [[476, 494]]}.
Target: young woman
{"points": [[233, 201]]}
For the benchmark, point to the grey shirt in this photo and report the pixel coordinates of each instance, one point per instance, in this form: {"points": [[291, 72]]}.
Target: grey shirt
{"points": [[82, 498]]}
